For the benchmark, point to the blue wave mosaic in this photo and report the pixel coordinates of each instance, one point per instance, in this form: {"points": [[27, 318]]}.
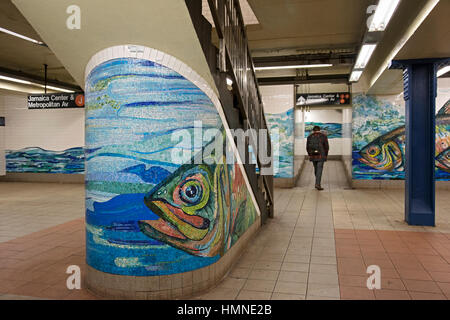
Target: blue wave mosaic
{"points": [[38, 160], [332, 130], [281, 126]]}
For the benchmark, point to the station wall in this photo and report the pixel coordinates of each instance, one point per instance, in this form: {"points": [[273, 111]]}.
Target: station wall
{"points": [[279, 111], [40, 141], [379, 135]]}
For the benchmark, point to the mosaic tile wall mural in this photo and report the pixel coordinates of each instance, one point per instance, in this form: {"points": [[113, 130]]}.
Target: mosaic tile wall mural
{"points": [[38, 160], [332, 130], [145, 214], [281, 126], [379, 139]]}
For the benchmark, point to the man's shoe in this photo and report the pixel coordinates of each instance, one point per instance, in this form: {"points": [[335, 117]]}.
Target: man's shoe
{"points": [[319, 188]]}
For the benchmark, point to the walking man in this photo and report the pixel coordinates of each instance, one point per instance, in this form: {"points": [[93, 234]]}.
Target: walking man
{"points": [[317, 148]]}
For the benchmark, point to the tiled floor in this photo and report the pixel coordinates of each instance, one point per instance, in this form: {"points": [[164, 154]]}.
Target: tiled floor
{"points": [[30, 207], [414, 265], [318, 246]]}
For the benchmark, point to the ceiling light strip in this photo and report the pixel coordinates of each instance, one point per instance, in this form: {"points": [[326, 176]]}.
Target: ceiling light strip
{"points": [[443, 71], [383, 14], [18, 35], [364, 55], [303, 66], [34, 84]]}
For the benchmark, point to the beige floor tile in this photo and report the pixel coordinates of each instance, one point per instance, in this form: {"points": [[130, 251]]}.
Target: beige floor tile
{"points": [[240, 272], [263, 274], [323, 278], [311, 297], [253, 295], [259, 285], [323, 290], [290, 287], [285, 296], [268, 265], [232, 283], [295, 266], [220, 294], [297, 258], [323, 260], [293, 276], [323, 268]]}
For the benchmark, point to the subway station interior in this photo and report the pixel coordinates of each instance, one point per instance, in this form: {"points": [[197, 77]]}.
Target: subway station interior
{"points": [[165, 150]]}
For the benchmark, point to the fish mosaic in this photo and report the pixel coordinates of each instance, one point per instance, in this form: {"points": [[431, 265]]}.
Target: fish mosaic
{"points": [[202, 209], [39, 160], [281, 127], [383, 157], [146, 214]]}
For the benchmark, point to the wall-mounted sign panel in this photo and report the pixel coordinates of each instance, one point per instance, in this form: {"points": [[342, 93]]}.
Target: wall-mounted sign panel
{"points": [[315, 99], [55, 100]]}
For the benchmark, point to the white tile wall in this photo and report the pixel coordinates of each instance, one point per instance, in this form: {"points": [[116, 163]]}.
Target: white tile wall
{"points": [[327, 116], [51, 129], [2, 139]]}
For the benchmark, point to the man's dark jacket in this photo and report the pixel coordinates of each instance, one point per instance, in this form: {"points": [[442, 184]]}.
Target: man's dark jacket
{"points": [[324, 147]]}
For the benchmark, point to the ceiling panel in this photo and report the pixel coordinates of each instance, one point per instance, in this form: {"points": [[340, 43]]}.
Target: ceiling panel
{"points": [[22, 55], [307, 23]]}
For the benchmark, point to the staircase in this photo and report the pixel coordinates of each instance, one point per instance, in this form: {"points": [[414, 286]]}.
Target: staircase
{"points": [[242, 106]]}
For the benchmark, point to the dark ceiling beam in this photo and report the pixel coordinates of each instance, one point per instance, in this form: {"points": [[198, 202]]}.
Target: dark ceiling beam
{"points": [[36, 79], [335, 78], [305, 59]]}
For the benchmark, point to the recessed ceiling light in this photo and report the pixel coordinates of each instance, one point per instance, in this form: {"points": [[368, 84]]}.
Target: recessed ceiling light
{"points": [[247, 13], [364, 55], [383, 14], [355, 76], [34, 84], [20, 36], [303, 66], [15, 80], [57, 89], [443, 71]]}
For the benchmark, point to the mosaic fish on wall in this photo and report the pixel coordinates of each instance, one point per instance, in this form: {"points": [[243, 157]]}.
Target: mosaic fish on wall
{"points": [[202, 208], [387, 152]]}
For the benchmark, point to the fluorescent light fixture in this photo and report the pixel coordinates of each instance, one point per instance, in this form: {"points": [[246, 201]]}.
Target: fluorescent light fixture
{"points": [[15, 80], [355, 76], [383, 15], [364, 55], [420, 18], [56, 88], [303, 66], [20, 36], [443, 71], [34, 84]]}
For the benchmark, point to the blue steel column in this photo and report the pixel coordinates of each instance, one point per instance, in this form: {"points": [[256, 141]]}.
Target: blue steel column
{"points": [[420, 89]]}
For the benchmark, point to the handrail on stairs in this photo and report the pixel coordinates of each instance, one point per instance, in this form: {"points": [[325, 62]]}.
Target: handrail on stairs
{"points": [[235, 59]]}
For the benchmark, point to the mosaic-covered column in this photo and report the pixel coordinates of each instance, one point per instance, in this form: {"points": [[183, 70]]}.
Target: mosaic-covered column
{"points": [[158, 227]]}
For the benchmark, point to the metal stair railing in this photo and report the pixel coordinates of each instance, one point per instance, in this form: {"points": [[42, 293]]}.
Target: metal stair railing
{"points": [[235, 59]]}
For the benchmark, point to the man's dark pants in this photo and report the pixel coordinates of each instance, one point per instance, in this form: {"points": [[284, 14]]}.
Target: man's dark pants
{"points": [[318, 168]]}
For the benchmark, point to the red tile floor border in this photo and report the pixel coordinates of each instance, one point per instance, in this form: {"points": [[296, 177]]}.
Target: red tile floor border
{"points": [[35, 265], [414, 265]]}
